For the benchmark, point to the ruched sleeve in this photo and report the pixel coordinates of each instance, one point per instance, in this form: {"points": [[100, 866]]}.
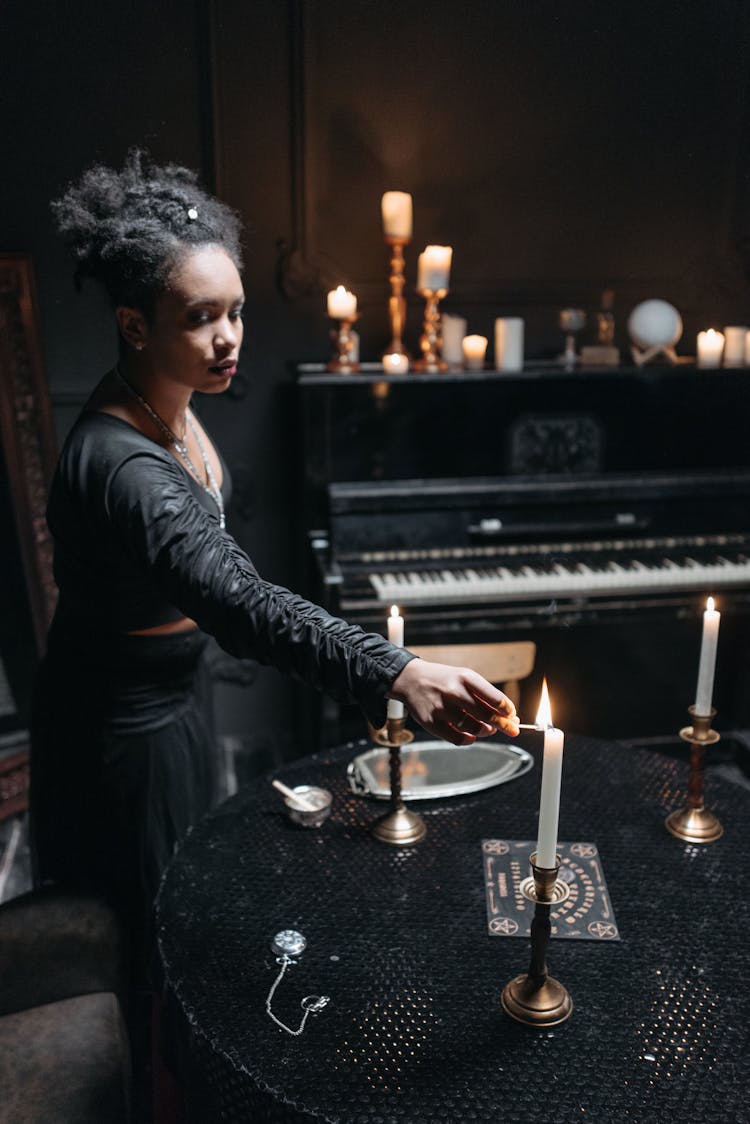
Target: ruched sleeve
{"points": [[201, 569]]}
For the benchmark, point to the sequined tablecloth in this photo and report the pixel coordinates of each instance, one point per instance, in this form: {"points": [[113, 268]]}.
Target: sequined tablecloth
{"points": [[398, 939]]}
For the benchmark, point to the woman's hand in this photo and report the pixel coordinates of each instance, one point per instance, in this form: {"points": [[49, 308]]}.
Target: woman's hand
{"points": [[453, 703]]}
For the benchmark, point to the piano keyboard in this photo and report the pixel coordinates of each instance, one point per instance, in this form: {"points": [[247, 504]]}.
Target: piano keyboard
{"points": [[540, 579]]}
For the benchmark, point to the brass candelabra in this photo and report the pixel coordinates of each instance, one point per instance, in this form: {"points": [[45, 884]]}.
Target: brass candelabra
{"points": [[694, 823], [398, 826], [397, 302], [431, 340], [342, 361], [536, 998]]}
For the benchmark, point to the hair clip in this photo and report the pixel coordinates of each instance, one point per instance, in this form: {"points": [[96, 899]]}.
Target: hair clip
{"points": [[192, 214]]}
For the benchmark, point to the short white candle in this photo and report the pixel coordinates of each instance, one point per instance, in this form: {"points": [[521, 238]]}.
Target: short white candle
{"points": [[433, 268], [734, 345], [707, 663], [710, 348], [395, 364], [453, 330], [474, 349], [396, 209], [509, 343], [396, 636], [342, 305], [549, 801]]}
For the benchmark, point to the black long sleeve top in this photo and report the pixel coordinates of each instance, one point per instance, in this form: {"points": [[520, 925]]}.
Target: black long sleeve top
{"points": [[138, 543]]}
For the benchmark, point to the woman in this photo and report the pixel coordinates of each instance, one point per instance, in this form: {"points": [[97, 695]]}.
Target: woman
{"points": [[121, 761]]}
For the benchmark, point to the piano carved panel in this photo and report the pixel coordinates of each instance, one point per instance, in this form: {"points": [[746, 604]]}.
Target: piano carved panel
{"points": [[555, 445]]}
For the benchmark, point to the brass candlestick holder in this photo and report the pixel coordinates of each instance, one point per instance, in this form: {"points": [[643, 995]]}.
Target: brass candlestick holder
{"points": [[695, 824], [396, 301], [431, 340], [399, 826], [342, 361], [537, 999]]}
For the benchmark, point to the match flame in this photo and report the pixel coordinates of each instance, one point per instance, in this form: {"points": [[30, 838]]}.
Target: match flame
{"points": [[394, 610], [710, 604], [544, 714]]}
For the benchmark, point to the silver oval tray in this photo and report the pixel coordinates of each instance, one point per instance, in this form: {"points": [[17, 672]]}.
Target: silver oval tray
{"points": [[433, 769]]}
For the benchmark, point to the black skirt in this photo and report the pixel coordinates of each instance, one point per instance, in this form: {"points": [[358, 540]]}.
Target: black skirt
{"points": [[123, 763]]}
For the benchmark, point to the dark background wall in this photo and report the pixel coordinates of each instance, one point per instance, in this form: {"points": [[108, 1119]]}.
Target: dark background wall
{"points": [[559, 148]]}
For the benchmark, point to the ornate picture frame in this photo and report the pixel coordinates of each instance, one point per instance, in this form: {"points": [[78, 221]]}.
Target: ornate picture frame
{"points": [[27, 459]]}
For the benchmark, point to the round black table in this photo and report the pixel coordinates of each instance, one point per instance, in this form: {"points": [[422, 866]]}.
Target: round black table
{"points": [[398, 939]]}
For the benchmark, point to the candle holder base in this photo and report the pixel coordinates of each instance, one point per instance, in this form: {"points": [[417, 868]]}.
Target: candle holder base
{"points": [[535, 1003], [400, 827], [695, 824]]}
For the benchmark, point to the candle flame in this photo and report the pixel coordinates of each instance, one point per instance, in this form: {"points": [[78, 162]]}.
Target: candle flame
{"points": [[394, 610], [544, 714], [710, 604]]}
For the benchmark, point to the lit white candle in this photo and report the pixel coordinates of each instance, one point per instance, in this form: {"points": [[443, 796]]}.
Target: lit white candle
{"points": [[342, 305], [710, 348], [509, 343], [396, 636], [549, 802], [433, 268], [396, 209], [474, 349], [395, 364], [734, 345], [707, 662]]}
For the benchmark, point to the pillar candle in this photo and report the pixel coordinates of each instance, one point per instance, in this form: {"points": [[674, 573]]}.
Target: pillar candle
{"points": [[710, 347], [342, 305], [396, 209], [707, 662], [433, 268], [509, 343], [549, 801], [396, 636], [474, 349], [453, 330], [734, 346]]}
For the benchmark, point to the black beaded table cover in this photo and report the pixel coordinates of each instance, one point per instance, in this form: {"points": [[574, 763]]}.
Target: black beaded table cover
{"points": [[414, 1031]]}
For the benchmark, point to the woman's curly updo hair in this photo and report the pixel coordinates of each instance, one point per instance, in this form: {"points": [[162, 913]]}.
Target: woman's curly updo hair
{"points": [[129, 229]]}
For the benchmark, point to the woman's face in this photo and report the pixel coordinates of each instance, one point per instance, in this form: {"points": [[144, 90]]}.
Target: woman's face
{"points": [[195, 336]]}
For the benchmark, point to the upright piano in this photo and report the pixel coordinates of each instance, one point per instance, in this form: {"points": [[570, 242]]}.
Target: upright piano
{"points": [[590, 511]]}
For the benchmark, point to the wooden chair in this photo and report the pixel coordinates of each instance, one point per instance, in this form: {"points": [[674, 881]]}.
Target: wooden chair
{"points": [[504, 663]]}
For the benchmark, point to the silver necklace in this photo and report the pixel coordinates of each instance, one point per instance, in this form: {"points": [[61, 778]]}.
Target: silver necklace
{"points": [[289, 944], [209, 484]]}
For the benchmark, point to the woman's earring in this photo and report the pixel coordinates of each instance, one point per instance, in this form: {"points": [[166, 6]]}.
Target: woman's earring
{"points": [[139, 346]]}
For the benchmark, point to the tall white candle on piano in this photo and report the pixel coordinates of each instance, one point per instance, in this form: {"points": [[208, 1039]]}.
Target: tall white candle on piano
{"points": [[549, 801], [396, 636], [396, 209], [434, 268], [707, 662], [509, 343]]}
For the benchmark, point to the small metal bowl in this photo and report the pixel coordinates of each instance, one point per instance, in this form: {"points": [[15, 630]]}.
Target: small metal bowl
{"points": [[321, 797]]}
